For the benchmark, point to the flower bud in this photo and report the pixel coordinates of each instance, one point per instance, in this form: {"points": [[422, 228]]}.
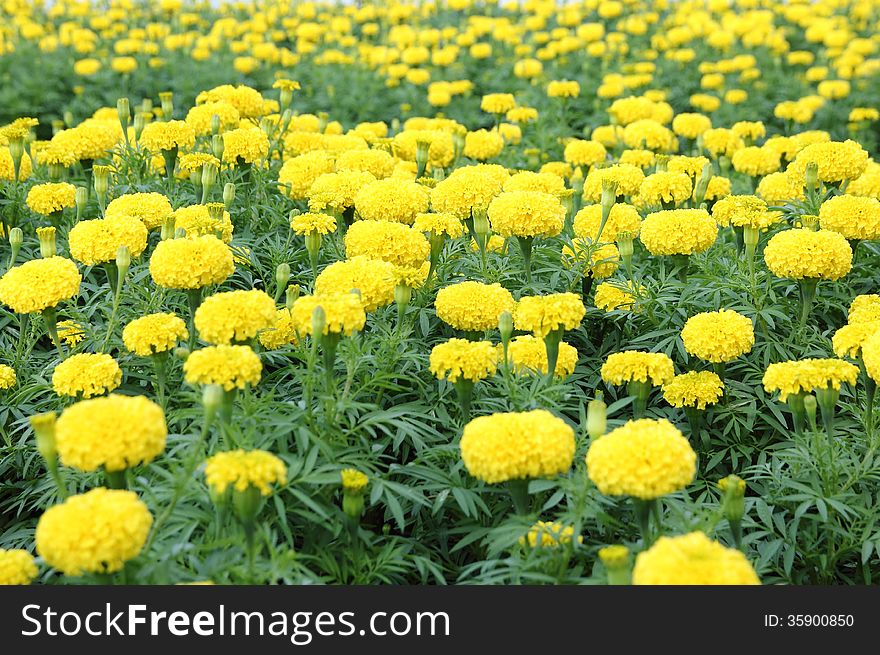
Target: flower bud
{"points": [[215, 211], [810, 222], [625, 244], [44, 427], [319, 321], [616, 560], [282, 274], [140, 121], [209, 175], [123, 261], [750, 237], [123, 110], [354, 485], [215, 124], [16, 151], [247, 504], [101, 176], [702, 185], [505, 326], [566, 197], [68, 117], [217, 146], [168, 227], [167, 100], [82, 199], [661, 162], [481, 222], [422, 149], [47, 242], [810, 405], [402, 295], [597, 416], [57, 126], [181, 352], [146, 106], [16, 238], [811, 176], [609, 196], [55, 171], [733, 489], [291, 296], [212, 399], [229, 194]]}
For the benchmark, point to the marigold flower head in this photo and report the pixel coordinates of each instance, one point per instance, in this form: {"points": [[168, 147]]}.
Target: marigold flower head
{"points": [[611, 296], [248, 145], [343, 312], [627, 177], [497, 103], [648, 134], [97, 241], [393, 200], [39, 284], [678, 232], [852, 216], [94, 532], [168, 135], [744, 211], [353, 481], [579, 152], [807, 375], [848, 340], [151, 208], [468, 188], [232, 367], [200, 117], [837, 161], [473, 306], [542, 315], [457, 359], [7, 377], [563, 89], [337, 191], [86, 375], [806, 254], [694, 389], [545, 534], [241, 469], [154, 333], [692, 559], [17, 567], [372, 278], [445, 224], [441, 147], [528, 355], [201, 220], [691, 126], [664, 187], [517, 446], [191, 263], [234, 316], [526, 214], [247, 101], [755, 161], [297, 174], [636, 366], [483, 145], [531, 181], [51, 197], [281, 333], [395, 243], [864, 309], [718, 337], [623, 218], [378, 162]]}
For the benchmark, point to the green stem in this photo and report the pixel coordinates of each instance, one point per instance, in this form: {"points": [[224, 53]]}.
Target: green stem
{"points": [[525, 246], [643, 510], [519, 492], [194, 299]]}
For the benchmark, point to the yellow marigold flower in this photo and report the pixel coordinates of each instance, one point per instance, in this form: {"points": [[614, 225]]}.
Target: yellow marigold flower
{"points": [[718, 187], [634, 108], [648, 134], [150, 208], [46, 199], [197, 221], [666, 188], [86, 67], [678, 232], [353, 481], [718, 337], [691, 126], [373, 279], [344, 313], [848, 340], [337, 191], [636, 366], [522, 114], [563, 89], [744, 211], [200, 117], [89, 140], [526, 214], [755, 161], [97, 241], [623, 218], [694, 389], [281, 333], [446, 224], [17, 567], [124, 65], [544, 534], [299, 173], [473, 306], [483, 145], [70, 332], [310, 223], [535, 182], [391, 242], [517, 446], [115, 432], [229, 366], [751, 130], [467, 188], [246, 100], [807, 375], [542, 315], [852, 216], [780, 188], [377, 162], [39, 284], [441, 148], [86, 375], [628, 178], [497, 103], [579, 152], [462, 359], [836, 161], [611, 296], [863, 114], [641, 158], [245, 145], [154, 333], [191, 263], [7, 377], [868, 183], [158, 136], [800, 253], [94, 532], [392, 199], [234, 316], [559, 168], [692, 559], [864, 309], [241, 469], [691, 166], [721, 141], [528, 355]]}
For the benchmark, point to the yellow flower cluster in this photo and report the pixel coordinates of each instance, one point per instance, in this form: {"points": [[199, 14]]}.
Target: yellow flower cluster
{"points": [[623, 218], [836, 161], [377, 162], [115, 432], [644, 459], [158, 136], [678, 232], [719, 336], [97, 241], [755, 161], [309, 223], [197, 220], [627, 177], [86, 375], [154, 333], [473, 306], [497, 103], [848, 340], [779, 188], [51, 197], [17, 567], [694, 389], [343, 312], [94, 532], [807, 375], [468, 188], [234, 316], [563, 89], [637, 366], [199, 118], [692, 559], [579, 152], [457, 359], [395, 243], [610, 296], [191, 263], [241, 469], [483, 145], [297, 174], [851, 216], [804, 254], [744, 211], [664, 187], [248, 145], [373, 279], [542, 315], [151, 208], [281, 333], [392, 199], [446, 224], [530, 181], [39, 284], [336, 192], [7, 377], [232, 367], [546, 534], [517, 446], [864, 309], [528, 355]]}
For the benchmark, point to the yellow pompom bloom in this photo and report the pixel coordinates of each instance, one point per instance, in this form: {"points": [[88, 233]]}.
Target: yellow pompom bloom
{"points": [[94, 532], [692, 559], [779, 188], [353, 481], [310, 223], [247, 101], [150, 208], [395, 243], [70, 332], [158, 136], [337, 191], [628, 178], [526, 214], [86, 375], [483, 145], [744, 211], [837, 161], [97, 241], [579, 152], [678, 232], [623, 218], [691, 166], [755, 161], [46, 199], [115, 432], [517, 446], [806, 375], [804, 254], [694, 389], [852, 216], [441, 148], [544, 534], [7, 377], [468, 188], [542, 315], [154, 333], [297, 174], [378, 162], [864, 309], [39, 284], [718, 337], [17, 567], [393, 200], [343, 312], [610, 296], [234, 316], [372, 278], [497, 103], [848, 340], [457, 359], [248, 145], [438, 224], [281, 333], [241, 469], [197, 221], [563, 89], [528, 355], [649, 134], [232, 367], [200, 117], [691, 126], [191, 263], [637, 366], [645, 459], [473, 306], [721, 142], [531, 181], [665, 187]]}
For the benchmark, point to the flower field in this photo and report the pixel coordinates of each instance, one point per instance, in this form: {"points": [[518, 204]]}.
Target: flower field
{"points": [[441, 292]]}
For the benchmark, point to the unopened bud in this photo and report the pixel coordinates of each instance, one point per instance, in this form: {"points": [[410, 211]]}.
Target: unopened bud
{"points": [[702, 185], [16, 238], [597, 416], [123, 261], [44, 428], [282, 274], [616, 560], [229, 194], [101, 176], [140, 121], [212, 399], [505, 326], [209, 175], [319, 321], [733, 489], [167, 100], [217, 146], [811, 176], [609, 196], [123, 110], [215, 125], [481, 222], [810, 222], [168, 227], [215, 211], [47, 242], [291, 296], [625, 244]]}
